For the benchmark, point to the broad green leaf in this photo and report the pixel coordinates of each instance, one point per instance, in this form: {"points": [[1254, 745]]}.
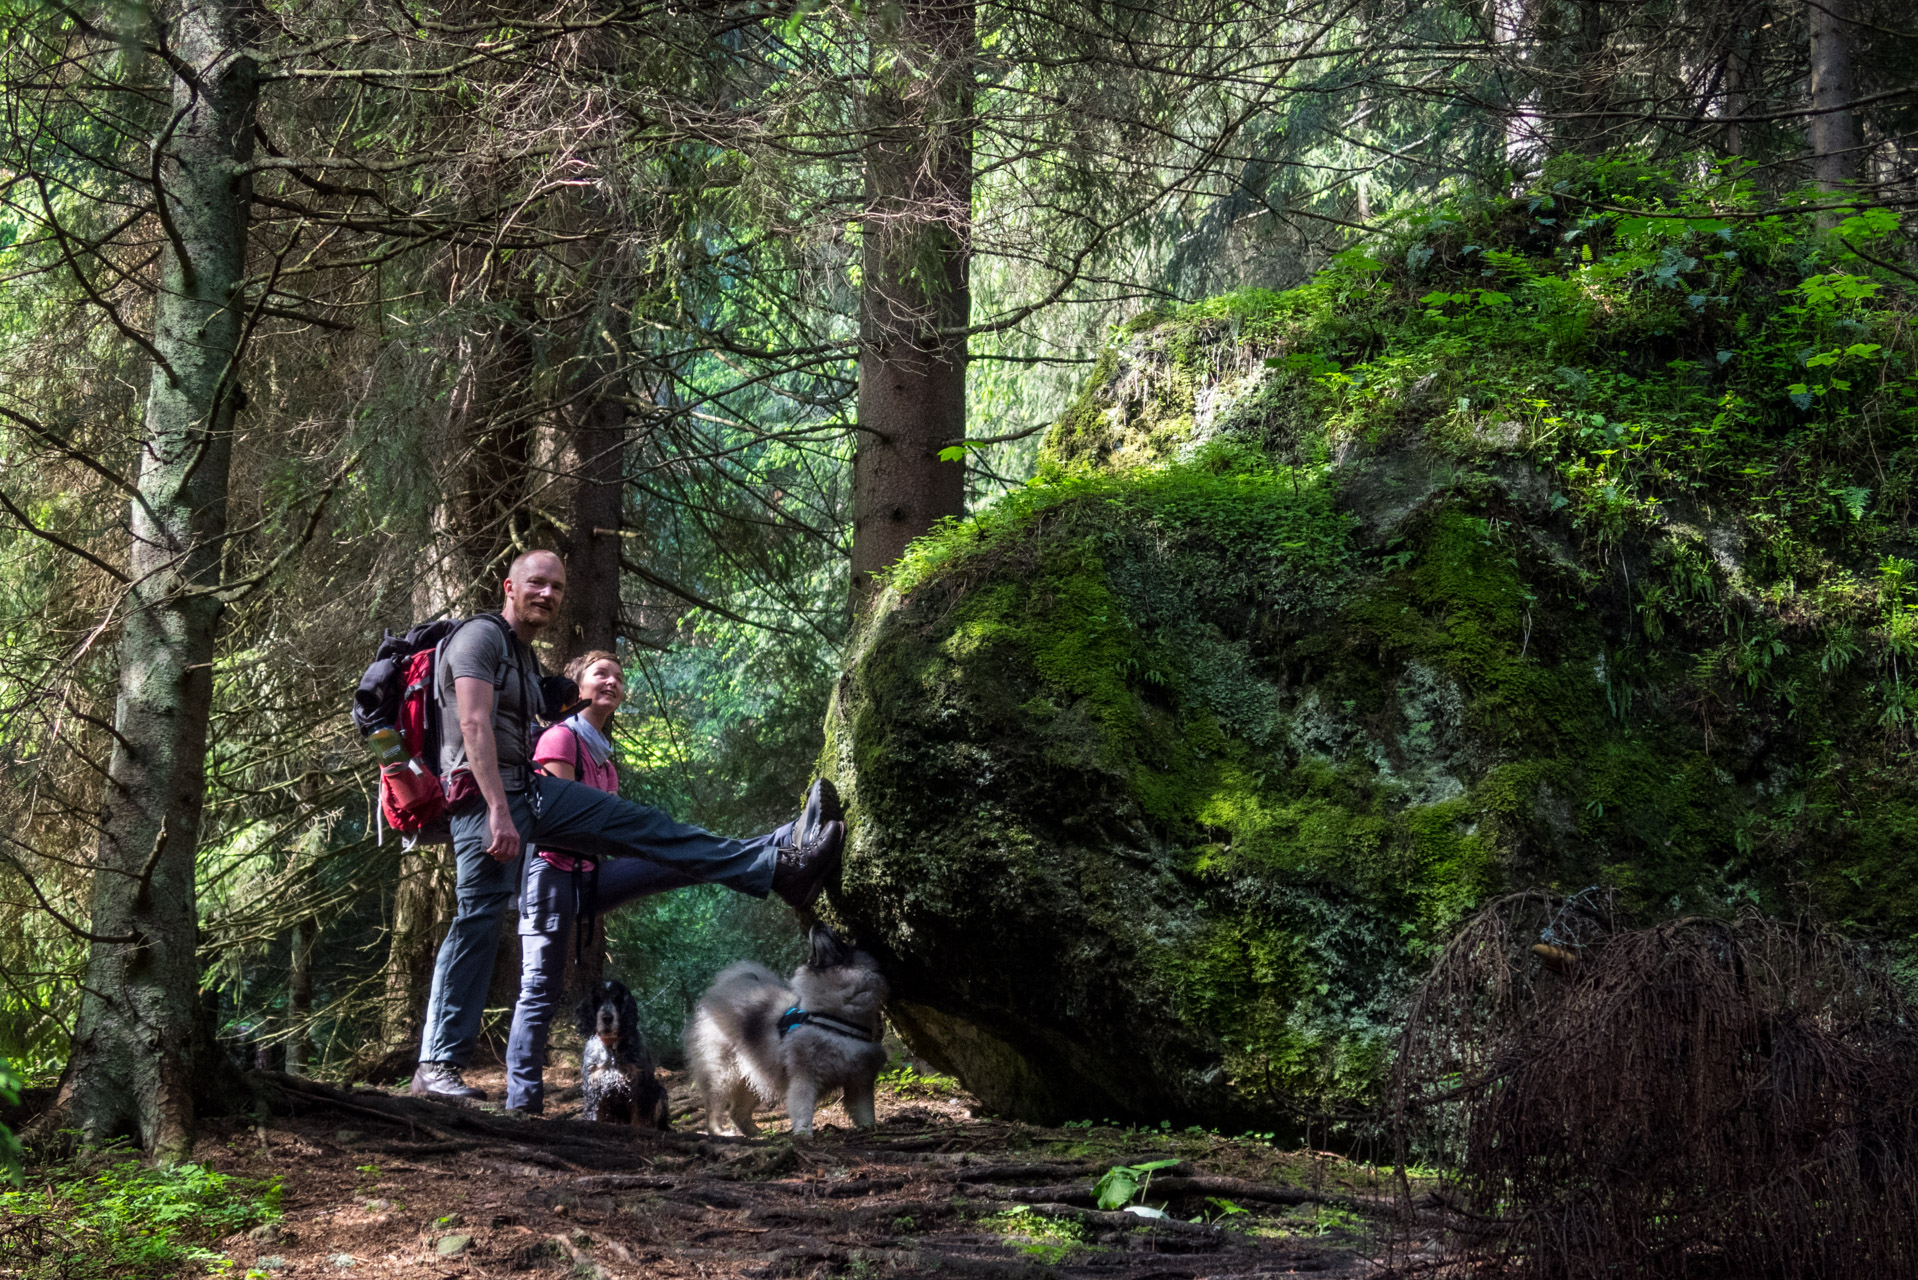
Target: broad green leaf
{"points": [[1116, 1189]]}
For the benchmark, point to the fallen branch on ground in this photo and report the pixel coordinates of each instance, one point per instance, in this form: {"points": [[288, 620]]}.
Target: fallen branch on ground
{"points": [[1013, 1172]]}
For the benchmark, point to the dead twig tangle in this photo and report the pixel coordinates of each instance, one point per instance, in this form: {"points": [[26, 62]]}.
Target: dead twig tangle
{"points": [[1698, 1098]]}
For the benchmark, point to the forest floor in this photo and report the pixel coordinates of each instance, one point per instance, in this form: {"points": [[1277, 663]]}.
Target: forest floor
{"points": [[376, 1184]]}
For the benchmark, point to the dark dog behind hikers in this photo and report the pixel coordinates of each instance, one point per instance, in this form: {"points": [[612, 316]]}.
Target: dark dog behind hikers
{"points": [[615, 1068]]}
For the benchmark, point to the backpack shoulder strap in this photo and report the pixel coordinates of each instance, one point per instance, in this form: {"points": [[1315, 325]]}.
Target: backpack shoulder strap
{"points": [[446, 638], [512, 642], [579, 761], [518, 654], [439, 652]]}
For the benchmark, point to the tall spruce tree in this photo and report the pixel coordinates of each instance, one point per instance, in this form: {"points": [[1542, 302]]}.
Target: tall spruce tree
{"points": [[133, 1063], [915, 292]]}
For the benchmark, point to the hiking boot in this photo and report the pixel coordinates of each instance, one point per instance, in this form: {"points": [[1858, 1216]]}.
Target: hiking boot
{"points": [[822, 806], [442, 1080], [806, 864]]}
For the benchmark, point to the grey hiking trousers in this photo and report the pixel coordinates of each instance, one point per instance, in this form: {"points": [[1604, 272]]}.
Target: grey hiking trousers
{"points": [[554, 813]]}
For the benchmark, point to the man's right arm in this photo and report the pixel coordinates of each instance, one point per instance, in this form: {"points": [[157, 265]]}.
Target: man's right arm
{"points": [[475, 700]]}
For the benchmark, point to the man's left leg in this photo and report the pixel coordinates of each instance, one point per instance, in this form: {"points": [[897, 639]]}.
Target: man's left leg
{"points": [[464, 967]]}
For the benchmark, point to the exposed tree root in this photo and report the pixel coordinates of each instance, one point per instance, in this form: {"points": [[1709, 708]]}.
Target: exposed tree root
{"points": [[1235, 1189]]}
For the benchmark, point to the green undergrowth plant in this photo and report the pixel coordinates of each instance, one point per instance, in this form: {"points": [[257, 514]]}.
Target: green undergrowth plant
{"points": [[10, 1153], [128, 1220], [1329, 1219], [907, 1081], [1125, 1184], [1223, 1210], [1048, 1241]]}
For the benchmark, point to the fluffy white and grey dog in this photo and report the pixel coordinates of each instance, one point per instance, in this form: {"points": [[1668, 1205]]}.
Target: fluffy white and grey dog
{"points": [[755, 1038]]}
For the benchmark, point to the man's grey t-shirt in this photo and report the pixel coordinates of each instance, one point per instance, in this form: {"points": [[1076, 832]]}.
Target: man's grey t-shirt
{"points": [[480, 650]]}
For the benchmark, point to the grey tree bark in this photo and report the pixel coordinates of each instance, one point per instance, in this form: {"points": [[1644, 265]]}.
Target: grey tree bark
{"points": [[916, 297], [1576, 75], [1508, 22], [422, 904], [1737, 93], [593, 460], [305, 850], [595, 436], [132, 1066], [489, 444], [299, 994], [1832, 132]]}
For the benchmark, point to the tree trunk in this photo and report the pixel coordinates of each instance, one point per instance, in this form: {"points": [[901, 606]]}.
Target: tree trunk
{"points": [[1509, 21], [1737, 97], [489, 441], [299, 995], [916, 299], [134, 1052], [422, 906], [1574, 70], [304, 852], [1596, 81], [592, 460], [423, 895], [1833, 131]]}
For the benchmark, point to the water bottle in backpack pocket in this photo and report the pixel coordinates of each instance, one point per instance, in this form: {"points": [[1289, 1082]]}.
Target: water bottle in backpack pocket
{"points": [[412, 793]]}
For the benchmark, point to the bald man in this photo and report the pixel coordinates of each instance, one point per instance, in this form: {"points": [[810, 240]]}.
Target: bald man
{"points": [[497, 805]]}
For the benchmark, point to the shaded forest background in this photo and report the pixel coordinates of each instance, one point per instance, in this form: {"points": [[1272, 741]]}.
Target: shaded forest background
{"points": [[315, 315]]}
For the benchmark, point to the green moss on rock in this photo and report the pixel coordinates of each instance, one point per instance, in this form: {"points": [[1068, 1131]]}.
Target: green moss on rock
{"points": [[1476, 563]]}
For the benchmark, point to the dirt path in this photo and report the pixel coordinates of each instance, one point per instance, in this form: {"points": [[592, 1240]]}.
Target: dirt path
{"points": [[375, 1184]]}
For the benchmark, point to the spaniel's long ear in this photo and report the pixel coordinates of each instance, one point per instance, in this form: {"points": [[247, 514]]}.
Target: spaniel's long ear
{"points": [[629, 1016]]}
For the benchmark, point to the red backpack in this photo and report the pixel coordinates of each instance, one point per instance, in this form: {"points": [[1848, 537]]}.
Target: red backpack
{"points": [[397, 710]]}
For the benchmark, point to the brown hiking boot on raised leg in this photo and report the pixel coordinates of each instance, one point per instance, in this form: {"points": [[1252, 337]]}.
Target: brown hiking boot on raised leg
{"points": [[804, 869], [821, 806]]}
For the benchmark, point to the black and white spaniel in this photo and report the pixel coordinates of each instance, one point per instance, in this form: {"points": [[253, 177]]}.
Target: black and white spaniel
{"points": [[615, 1067]]}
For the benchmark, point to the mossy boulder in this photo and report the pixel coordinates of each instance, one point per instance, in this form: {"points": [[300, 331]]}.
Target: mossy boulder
{"points": [[1543, 546]]}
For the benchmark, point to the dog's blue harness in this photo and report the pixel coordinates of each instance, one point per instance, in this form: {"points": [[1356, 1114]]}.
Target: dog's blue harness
{"points": [[798, 1017]]}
